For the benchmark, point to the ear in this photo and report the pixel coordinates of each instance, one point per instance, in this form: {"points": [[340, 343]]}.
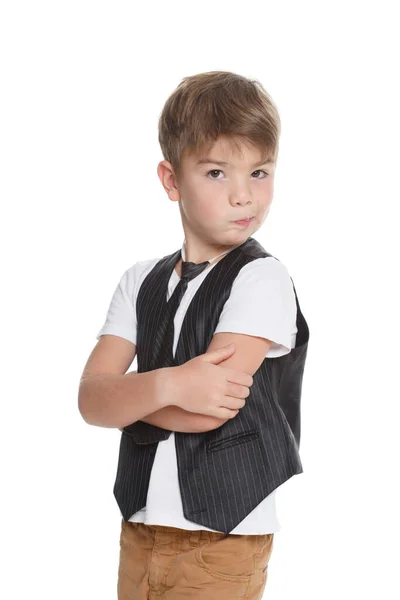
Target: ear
{"points": [[165, 172]]}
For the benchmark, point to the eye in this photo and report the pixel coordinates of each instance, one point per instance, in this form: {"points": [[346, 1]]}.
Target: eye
{"points": [[214, 171], [258, 171]]}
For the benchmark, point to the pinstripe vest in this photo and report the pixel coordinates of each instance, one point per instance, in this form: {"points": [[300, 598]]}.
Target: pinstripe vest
{"points": [[224, 473]]}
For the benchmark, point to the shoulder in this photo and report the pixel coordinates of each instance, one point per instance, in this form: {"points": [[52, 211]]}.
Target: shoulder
{"points": [[265, 280], [135, 274], [266, 269]]}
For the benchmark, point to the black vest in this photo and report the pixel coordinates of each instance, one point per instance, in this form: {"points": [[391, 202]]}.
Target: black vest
{"points": [[224, 473]]}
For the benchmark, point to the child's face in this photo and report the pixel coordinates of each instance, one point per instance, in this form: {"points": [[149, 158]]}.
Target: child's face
{"points": [[212, 196]]}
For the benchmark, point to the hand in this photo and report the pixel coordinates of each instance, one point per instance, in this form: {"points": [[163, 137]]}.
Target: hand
{"points": [[200, 386]]}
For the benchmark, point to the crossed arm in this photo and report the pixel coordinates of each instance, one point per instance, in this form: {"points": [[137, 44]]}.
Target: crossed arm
{"points": [[249, 353]]}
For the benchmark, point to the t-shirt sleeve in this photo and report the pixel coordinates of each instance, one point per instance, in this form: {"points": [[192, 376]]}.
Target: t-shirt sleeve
{"points": [[121, 315], [262, 303]]}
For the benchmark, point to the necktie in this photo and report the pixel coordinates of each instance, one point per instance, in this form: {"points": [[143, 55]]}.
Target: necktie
{"points": [[166, 329]]}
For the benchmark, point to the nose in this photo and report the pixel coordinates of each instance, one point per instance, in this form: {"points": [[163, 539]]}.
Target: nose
{"points": [[240, 194]]}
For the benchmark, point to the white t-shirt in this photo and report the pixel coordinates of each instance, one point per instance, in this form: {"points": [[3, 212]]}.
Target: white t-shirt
{"points": [[261, 303]]}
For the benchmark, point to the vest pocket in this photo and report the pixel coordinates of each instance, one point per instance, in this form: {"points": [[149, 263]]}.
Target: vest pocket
{"points": [[232, 440]]}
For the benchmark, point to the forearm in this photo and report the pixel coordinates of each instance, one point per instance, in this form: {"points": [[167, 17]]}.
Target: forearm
{"points": [[119, 400], [175, 418]]}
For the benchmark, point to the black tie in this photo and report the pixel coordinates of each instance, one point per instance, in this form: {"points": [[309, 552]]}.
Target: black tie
{"points": [[166, 330]]}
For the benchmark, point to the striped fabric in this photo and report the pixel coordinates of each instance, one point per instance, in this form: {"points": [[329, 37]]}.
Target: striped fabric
{"points": [[224, 473], [165, 339]]}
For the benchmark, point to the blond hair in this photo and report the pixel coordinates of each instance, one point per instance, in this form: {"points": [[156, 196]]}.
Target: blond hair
{"points": [[217, 103]]}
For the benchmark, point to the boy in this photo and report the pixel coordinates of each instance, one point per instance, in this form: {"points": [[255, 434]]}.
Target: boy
{"points": [[208, 432]]}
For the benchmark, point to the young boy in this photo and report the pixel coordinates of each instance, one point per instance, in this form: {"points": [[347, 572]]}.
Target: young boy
{"points": [[209, 432]]}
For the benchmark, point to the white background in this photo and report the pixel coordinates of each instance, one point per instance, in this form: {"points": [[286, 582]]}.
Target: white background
{"points": [[82, 87]]}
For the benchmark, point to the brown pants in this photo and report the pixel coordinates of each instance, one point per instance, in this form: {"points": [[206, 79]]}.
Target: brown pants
{"points": [[167, 563]]}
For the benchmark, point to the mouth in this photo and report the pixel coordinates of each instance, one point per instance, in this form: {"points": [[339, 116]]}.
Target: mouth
{"points": [[244, 221]]}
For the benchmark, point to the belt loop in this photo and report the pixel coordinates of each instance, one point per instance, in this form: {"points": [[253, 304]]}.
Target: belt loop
{"points": [[195, 537]]}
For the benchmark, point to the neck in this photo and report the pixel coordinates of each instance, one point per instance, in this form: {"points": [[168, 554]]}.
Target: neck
{"points": [[213, 258]]}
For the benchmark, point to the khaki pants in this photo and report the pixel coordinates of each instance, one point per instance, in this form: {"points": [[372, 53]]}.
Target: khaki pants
{"points": [[168, 563]]}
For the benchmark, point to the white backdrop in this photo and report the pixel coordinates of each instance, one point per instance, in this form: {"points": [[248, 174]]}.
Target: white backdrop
{"points": [[83, 84]]}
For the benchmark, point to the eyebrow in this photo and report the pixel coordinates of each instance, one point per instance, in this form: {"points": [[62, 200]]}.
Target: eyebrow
{"points": [[210, 160]]}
